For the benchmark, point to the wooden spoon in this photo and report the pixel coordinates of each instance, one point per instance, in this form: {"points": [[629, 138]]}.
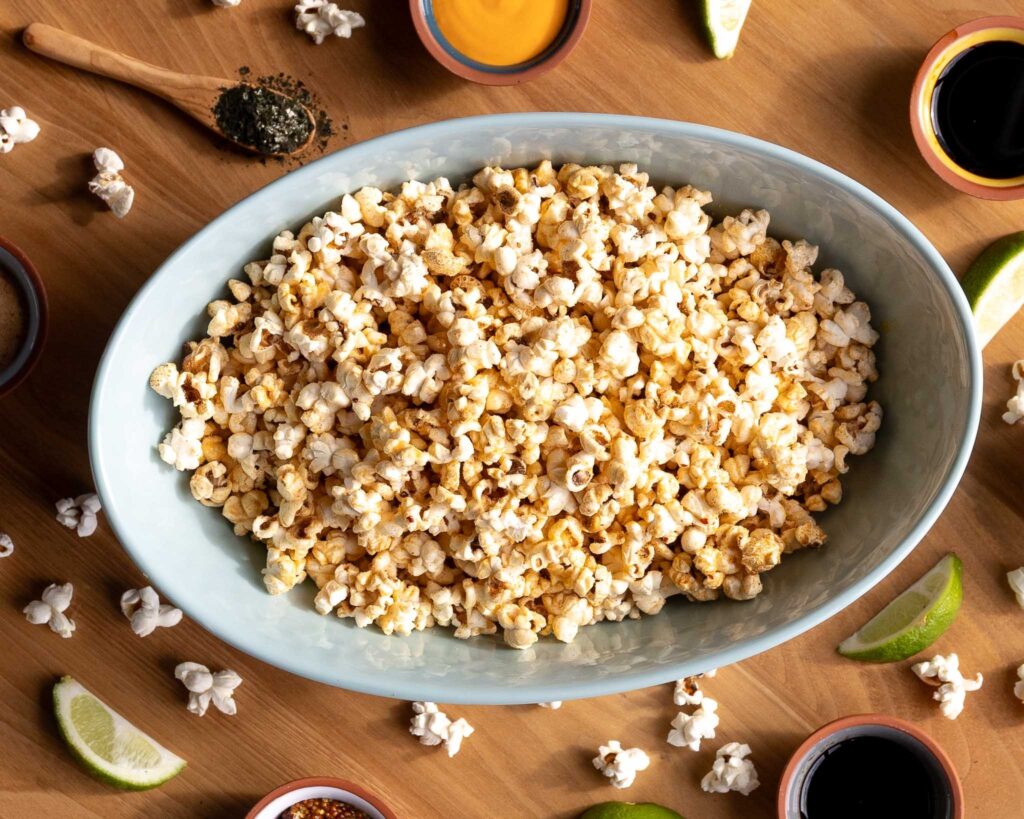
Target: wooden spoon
{"points": [[196, 95]]}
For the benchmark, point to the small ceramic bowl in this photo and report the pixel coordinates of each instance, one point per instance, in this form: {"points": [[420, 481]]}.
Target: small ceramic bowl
{"points": [[795, 776], [26, 278], [463, 66], [948, 48], [279, 800]]}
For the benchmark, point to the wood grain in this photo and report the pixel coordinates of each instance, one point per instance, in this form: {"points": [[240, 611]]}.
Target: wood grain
{"points": [[828, 79]]}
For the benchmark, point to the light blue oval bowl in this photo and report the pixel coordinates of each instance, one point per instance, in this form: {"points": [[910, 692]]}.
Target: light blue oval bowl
{"points": [[930, 387]]}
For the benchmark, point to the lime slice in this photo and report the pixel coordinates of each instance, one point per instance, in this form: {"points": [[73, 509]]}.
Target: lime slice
{"points": [[723, 20], [994, 285], [629, 810], [110, 747], [914, 620]]}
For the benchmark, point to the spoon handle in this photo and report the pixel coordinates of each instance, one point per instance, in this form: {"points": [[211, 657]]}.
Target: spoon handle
{"points": [[189, 92]]}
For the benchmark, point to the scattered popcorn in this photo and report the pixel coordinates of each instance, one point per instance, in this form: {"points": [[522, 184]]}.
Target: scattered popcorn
{"points": [[109, 185], [16, 128], [731, 771], [620, 765], [1018, 687], [226, 4], [944, 672], [79, 513], [143, 609], [6, 545], [50, 609], [554, 705], [689, 729], [320, 19], [204, 688], [1015, 406], [688, 690], [546, 399], [1016, 581], [433, 727]]}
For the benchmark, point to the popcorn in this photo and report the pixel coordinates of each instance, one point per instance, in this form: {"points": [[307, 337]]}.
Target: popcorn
{"points": [[109, 185], [50, 609], [620, 765], [944, 672], [1018, 687], [6, 545], [320, 19], [542, 400], [689, 729], [1016, 581], [226, 4], [554, 705], [731, 771], [16, 128], [433, 727], [145, 613], [688, 690], [79, 513], [1015, 406], [205, 687]]}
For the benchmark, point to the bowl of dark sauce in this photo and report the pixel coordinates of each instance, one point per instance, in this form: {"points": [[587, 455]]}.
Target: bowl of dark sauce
{"points": [[23, 315], [967, 108], [870, 765]]}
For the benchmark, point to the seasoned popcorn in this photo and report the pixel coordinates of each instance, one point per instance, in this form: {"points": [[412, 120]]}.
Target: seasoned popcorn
{"points": [[1015, 406], [542, 400], [433, 727], [731, 771], [944, 672], [205, 687], [620, 765], [50, 609]]}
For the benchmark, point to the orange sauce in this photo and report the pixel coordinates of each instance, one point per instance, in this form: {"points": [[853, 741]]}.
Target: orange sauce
{"points": [[500, 32]]}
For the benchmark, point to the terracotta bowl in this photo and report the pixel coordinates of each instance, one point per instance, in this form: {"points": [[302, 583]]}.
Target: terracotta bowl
{"points": [[793, 777], [469, 69], [16, 264], [280, 799], [949, 46]]}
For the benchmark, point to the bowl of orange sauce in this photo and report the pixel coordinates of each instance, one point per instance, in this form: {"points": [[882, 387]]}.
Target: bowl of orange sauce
{"points": [[500, 42]]}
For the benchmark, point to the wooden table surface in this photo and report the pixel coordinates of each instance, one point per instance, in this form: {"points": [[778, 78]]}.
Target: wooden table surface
{"points": [[829, 79]]}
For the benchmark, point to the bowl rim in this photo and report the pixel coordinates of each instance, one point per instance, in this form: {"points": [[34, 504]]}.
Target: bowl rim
{"points": [[36, 342], [924, 134], [321, 782], [874, 719], [491, 693], [466, 70]]}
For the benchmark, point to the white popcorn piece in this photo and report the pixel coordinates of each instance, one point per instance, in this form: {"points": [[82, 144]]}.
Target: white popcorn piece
{"points": [[620, 765], [1016, 581], [1018, 687], [144, 611], [79, 513], [205, 687], [226, 4], [688, 690], [6, 545], [732, 771], [944, 672], [1015, 406], [433, 727], [689, 729], [554, 705], [109, 185], [321, 18], [182, 447], [50, 609], [16, 128]]}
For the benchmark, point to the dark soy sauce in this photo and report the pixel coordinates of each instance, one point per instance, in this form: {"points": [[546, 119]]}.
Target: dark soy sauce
{"points": [[875, 778], [978, 110]]}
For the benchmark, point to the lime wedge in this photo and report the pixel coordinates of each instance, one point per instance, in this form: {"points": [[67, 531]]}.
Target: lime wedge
{"points": [[629, 810], [723, 20], [914, 620], [110, 747], [994, 285]]}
